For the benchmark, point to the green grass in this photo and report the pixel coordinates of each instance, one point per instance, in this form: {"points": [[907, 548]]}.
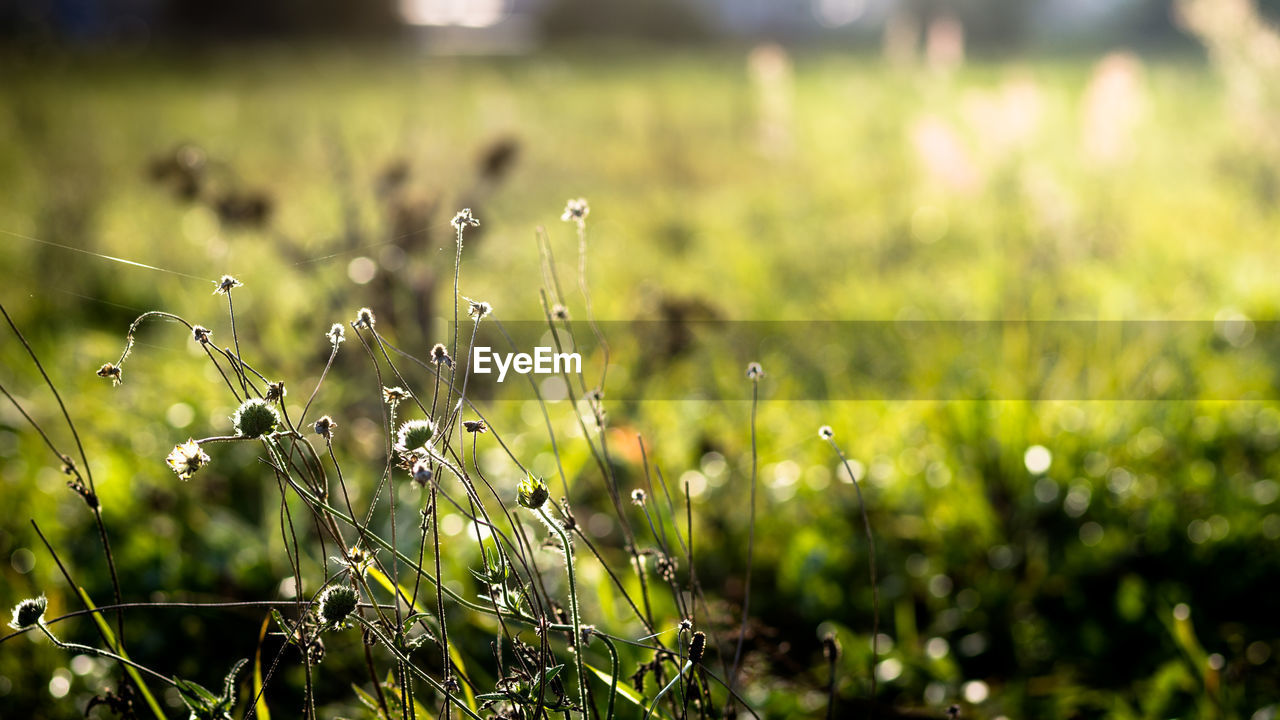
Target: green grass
{"points": [[684, 205]]}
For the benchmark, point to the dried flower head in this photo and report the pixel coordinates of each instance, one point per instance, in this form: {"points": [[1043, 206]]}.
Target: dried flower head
{"points": [[754, 371], [393, 396], [830, 647], [560, 312], [324, 427], [464, 219], [255, 418], [686, 625], [276, 391], [187, 458], [364, 318], [826, 433], [479, 309], [225, 284], [638, 496], [414, 435], [111, 371], [28, 612], [440, 354], [200, 334], [532, 492], [336, 604], [358, 561], [697, 646], [422, 471], [666, 567], [337, 334], [576, 210], [475, 426]]}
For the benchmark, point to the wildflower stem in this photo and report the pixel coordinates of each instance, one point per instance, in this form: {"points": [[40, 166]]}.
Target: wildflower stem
{"points": [[751, 535], [871, 564], [558, 529]]}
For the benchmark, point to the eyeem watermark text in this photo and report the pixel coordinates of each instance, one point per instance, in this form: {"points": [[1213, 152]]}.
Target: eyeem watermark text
{"points": [[543, 361]]}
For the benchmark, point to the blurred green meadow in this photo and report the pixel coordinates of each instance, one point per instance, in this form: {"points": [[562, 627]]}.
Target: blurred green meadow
{"points": [[1038, 558]]}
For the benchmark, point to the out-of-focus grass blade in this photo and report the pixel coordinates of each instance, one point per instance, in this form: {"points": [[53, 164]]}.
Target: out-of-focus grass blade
{"points": [[626, 691], [385, 582], [262, 710], [111, 640]]}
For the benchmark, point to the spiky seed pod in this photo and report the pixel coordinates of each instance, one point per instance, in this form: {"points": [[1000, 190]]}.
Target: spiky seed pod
{"points": [[187, 458], [28, 612], [255, 418], [201, 334], [697, 647], [276, 391], [532, 492], [414, 434], [337, 603]]}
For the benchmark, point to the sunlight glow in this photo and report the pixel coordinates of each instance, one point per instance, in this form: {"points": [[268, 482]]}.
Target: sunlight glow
{"points": [[464, 13]]}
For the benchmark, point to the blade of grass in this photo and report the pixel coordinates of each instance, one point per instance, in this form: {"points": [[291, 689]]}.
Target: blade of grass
{"points": [[625, 691], [262, 710], [105, 627]]}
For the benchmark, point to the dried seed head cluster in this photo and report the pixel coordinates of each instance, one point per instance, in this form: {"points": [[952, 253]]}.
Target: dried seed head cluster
{"points": [[560, 312], [414, 435], [576, 210], [336, 604], [826, 433], [638, 497], [393, 396], [475, 426], [225, 284], [255, 418], [324, 427], [28, 612], [754, 371], [532, 492], [421, 471], [111, 371], [337, 334], [364, 318], [666, 567], [200, 334], [479, 309], [440, 355], [276, 391], [187, 458], [464, 219]]}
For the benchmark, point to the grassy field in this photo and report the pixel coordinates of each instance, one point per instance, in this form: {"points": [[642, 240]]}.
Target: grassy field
{"points": [[1038, 555]]}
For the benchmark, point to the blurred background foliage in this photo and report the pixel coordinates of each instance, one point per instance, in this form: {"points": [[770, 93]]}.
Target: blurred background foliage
{"points": [[1038, 558]]}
